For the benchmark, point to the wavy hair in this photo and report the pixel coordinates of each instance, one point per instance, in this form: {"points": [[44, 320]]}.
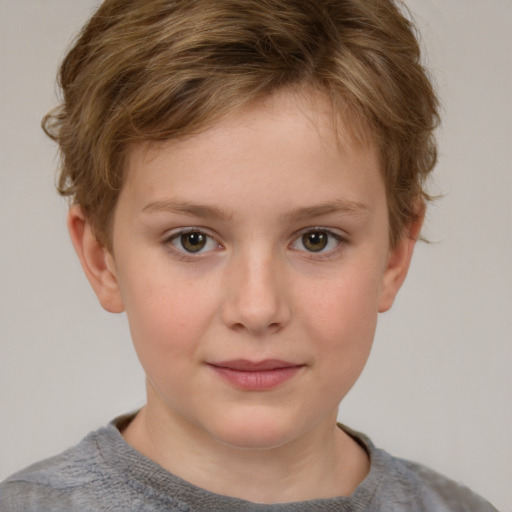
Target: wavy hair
{"points": [[161, 69]]}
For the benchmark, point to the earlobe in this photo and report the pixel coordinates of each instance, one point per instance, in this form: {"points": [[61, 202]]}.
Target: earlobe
{"points": [[398, 263], [97, 262]]}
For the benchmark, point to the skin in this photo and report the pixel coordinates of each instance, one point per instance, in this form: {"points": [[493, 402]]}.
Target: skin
{"points": [[255, 186]]}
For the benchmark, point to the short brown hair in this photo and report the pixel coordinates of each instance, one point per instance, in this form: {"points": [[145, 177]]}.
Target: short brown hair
{"points": [[144, 70]]}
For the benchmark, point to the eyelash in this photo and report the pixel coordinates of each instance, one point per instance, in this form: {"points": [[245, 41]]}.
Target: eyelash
{"points": [[332, 236], [176, 238]]}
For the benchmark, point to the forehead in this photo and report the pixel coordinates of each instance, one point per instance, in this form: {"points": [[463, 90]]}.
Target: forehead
{"points": [[288, 142]]}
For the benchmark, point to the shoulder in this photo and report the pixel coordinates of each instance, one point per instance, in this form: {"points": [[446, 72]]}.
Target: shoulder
{"points": [[433, 488], [54, 483], [403, 485]]}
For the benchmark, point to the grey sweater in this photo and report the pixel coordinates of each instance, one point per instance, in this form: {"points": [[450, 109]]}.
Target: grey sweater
{"points": [[103, 473]]}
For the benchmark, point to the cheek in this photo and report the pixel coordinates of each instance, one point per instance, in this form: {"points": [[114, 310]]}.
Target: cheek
{"points": [[167, 323], [342, 326], [344, 309]]}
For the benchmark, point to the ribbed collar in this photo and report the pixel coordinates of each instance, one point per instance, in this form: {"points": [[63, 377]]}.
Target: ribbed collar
{"points": [[123, 462]]}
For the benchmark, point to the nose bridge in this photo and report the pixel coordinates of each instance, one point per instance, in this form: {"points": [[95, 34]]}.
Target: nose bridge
{"points": [[256, 299]]}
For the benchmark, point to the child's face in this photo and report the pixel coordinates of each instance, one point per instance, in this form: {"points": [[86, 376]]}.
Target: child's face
{"points": [[261, 240]]}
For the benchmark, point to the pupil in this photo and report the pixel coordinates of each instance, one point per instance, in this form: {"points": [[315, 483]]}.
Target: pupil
{"points": [[315, 241], [193, 242]]}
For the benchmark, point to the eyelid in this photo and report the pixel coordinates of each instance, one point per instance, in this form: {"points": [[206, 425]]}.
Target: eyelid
{"points": [[174, 234], [340, 238]]}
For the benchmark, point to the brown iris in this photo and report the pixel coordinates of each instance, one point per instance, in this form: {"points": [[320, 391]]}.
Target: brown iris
{"points": [[315, 241], [193, 241]]}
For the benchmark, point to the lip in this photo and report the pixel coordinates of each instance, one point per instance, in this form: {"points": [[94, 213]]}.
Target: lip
{"points": [[256, 375]]}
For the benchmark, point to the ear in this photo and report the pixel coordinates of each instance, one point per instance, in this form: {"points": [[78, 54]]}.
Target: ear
{"points": [[96, 261], [398, 262]]}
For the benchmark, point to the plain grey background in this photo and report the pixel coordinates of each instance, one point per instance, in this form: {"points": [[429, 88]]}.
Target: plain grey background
{"points": [[438, 386]]}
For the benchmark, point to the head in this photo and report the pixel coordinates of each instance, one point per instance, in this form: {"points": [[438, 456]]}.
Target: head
{"points": [[165, 69], [247, 179]]}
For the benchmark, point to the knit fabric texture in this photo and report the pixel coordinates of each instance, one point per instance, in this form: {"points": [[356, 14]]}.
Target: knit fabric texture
{"points": [[104, 473]]}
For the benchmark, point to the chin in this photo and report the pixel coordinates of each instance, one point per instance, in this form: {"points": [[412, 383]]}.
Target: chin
{"points": [[255, 431]]}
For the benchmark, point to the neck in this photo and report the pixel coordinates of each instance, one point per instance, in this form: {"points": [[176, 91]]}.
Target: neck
{"points": [[323, 463]]}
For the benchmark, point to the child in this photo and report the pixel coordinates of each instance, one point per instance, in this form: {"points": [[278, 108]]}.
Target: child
{"points": [[247, 183]]}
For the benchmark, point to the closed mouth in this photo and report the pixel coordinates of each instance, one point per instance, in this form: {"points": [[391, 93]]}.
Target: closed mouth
{"points": [[245, 365], [256, 375]]}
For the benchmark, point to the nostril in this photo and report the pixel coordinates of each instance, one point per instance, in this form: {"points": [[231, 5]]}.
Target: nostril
{"points": [[238, 327], [256, 329]]}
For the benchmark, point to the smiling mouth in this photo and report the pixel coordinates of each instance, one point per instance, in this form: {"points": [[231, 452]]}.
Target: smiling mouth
{"points": [[256, 375]]}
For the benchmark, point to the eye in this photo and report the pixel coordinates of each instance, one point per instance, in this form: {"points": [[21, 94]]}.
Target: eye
{"points": [[193, 242], [317, 241]]}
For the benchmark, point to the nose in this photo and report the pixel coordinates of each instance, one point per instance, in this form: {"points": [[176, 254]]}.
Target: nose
{"points": [[256, 296]]}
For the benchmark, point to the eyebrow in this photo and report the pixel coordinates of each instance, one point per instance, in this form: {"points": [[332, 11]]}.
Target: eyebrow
{"points": [[212, 212], [186, 208], [337, 206]]}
